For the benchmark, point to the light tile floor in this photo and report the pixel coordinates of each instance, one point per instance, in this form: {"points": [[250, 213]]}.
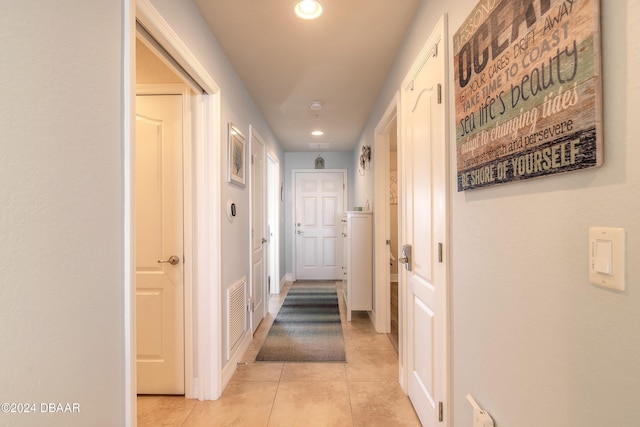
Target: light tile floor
{"points": [[362, 392]]}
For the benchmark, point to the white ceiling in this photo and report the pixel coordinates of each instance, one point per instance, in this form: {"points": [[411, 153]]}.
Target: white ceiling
{"points": [[340, 59]]}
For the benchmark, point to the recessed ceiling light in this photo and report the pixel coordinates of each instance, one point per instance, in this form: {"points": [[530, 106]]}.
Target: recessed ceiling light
{"points": [[317, 133], [308, 9], [316, 105]]}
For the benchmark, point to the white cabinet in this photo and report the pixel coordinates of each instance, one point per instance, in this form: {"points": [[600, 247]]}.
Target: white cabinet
{"points": [[357, 282]]}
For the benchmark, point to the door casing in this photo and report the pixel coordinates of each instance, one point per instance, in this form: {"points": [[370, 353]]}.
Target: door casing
{"points": [[381, 315]]}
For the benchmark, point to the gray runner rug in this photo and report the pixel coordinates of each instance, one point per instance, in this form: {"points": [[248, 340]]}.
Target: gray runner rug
{"points": [[307, 327]]}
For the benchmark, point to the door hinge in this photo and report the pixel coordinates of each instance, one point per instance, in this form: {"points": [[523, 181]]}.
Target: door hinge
{"points": [[440, 412], [252, 157], [439, 93], [439, 252]]}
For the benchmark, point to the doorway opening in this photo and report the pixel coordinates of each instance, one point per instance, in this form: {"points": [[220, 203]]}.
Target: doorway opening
{"points": [[386, 181], [202, 301], [392, 201]]}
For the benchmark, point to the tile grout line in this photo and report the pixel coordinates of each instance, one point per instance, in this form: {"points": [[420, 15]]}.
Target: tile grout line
{"points": [[188, 416], [346, 358], [275, 395]]}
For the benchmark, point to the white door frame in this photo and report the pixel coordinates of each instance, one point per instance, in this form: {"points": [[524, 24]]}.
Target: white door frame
{"points": [[381, 311], [293, 201], [205, 167]]}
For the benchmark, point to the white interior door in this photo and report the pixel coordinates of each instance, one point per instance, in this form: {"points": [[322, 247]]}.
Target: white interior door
{"points": [[424, 228], [273, 217], [159, 244], [319, 204], [258, 230]]}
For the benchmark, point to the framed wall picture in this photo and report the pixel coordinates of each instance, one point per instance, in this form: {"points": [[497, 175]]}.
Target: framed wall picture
{"points": [[528, 91], [236, 168]]}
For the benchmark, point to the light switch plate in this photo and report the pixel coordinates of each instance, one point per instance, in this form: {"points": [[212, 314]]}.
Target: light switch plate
{"points": [[607, 257]]}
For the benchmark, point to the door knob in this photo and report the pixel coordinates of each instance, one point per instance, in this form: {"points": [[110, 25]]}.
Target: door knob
{"points": [[264, 240], [300, 232], [173, 260]]}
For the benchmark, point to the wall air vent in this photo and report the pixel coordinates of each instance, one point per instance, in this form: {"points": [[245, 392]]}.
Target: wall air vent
{"points": [[319, 145]]}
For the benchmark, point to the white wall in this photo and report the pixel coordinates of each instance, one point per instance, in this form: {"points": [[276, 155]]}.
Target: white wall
{"points": [[237, 107], [533, 341], [306, 160], [61, 210]]}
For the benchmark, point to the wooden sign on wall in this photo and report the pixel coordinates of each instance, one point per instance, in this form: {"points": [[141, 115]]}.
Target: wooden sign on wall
{"points": [[528, 90]]}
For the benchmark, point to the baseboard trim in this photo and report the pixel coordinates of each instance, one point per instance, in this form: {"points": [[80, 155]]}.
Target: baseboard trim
{"points": [[195, 389], [232, 364]]}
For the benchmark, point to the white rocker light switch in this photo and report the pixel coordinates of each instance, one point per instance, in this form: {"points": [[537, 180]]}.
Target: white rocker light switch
{"points": [[607, 257]]}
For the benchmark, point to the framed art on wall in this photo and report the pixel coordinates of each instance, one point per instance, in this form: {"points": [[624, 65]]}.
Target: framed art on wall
{"points": [[236, 171], [528, 91]]}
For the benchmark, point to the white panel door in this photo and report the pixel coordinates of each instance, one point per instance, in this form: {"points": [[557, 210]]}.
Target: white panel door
{"points": [[319, 207], [159, 237], [273, 223], [258, 230], [424, 227]]}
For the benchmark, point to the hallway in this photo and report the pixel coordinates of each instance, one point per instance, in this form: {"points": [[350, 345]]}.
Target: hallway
{"points": [[362, 392]]}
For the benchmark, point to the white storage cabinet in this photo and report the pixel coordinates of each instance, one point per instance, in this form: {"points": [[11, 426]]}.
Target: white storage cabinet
{"points": [[357, 282]]}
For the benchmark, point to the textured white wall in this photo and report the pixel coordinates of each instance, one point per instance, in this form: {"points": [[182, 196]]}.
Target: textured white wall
{"points": [[533, 341], [61, 205]]}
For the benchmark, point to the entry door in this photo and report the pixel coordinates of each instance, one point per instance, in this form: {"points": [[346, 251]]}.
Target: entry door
{"points": [[319, 207], [159, 245], [258, 230], [424, 228]]}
